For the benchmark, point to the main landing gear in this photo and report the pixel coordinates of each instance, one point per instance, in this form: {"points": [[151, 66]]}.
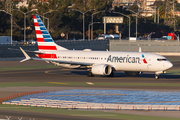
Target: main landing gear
{"points": [[111, 75], [89, 74]]}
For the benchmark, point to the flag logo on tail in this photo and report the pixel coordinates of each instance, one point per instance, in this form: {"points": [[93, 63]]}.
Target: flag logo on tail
{"points": [[44, 40]]}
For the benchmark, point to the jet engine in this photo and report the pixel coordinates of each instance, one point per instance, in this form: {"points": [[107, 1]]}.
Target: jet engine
{"points": [[132, 72], [101, 69]]}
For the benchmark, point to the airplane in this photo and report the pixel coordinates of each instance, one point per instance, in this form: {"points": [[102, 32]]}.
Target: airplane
{"points": [[103, 63]]}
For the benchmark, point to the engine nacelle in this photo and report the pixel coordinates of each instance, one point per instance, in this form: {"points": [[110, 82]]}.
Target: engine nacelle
{"points": [[132, 72], [101, 69]]}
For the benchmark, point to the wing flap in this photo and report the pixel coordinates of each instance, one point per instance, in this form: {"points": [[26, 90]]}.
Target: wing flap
{"points": [[67, 62]]}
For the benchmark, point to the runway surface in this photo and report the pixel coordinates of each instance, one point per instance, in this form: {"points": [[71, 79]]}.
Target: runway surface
{"points": [[59, 74], [71, 75]]}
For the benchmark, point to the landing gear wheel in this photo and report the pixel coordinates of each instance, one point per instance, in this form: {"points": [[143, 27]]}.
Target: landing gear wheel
{"points": [[157, 76], [89, 74], [111, 75]]}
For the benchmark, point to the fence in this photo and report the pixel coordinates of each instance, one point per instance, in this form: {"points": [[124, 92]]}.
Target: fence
{"points": [[171, 47], [146, 46], [6, 54]]}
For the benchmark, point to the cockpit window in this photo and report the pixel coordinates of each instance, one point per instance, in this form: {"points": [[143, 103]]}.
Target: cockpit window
{"points": [[162, 59]]}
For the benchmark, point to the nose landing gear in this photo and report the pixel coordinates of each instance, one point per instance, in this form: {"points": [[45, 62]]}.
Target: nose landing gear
{"points": [[157, 76], [158, 73]]}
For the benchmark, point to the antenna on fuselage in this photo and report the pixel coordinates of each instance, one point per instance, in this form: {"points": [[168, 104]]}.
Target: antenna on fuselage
{"points": [[140, 49]]}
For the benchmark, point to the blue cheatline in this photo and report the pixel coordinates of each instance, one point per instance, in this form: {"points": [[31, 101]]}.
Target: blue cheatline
{"points": [[111, 96]]}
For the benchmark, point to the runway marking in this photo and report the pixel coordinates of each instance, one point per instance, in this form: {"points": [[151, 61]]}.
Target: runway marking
{"points": [[64, 69], [51, 71], [58, 83], [90, 83]]}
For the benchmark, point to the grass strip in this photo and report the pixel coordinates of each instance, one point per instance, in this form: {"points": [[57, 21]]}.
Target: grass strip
{"points": [[27, 67], [33, 84], [86, 113], [173, 72]]}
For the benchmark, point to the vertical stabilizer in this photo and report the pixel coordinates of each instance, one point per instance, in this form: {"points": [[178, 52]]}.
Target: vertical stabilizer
{"points": [[44, 39]]}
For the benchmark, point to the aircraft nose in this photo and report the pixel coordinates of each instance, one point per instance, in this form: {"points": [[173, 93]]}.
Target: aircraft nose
{"points": [[168, 65]]}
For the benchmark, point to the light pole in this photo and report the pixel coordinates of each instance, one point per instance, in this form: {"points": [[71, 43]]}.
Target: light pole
{"points": [[24, 22], [136, 20], [158, 15], [129, 22], [89, 29], [176, 35], [11, 23], [149, 36], [83, 20], [154, 14], [46, 13], [92, 22]]}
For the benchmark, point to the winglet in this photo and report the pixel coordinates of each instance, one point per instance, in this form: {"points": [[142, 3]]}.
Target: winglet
{"points": [[26, 55], [140, 49]]}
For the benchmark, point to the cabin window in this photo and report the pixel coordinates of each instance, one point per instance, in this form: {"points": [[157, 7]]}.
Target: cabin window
{"points": [[161, 59]]}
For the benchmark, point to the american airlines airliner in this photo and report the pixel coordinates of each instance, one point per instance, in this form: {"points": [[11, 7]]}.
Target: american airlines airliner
{"points": [[96, 62]]}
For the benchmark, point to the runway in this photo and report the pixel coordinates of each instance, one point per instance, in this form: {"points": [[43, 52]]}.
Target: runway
{"points": [[59, 74]]}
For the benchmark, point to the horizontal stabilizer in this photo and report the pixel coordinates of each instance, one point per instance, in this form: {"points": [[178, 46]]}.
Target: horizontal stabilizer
{"points": [[26, 55]]}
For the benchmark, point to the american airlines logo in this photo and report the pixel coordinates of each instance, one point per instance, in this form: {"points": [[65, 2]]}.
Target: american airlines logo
{"points": [[127, 59], [144, 60]]}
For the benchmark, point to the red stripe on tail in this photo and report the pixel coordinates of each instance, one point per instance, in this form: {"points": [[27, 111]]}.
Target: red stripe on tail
{"points": [[36, 24], [38, 32], [40, 40], [47, 47], [34, 16]]}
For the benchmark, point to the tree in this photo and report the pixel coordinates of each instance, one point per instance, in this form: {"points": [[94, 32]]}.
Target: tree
{"points": [[134, 8], [5, 24], [2, 5]]}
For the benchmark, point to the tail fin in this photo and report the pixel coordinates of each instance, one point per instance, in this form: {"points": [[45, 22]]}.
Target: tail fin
{"points": [[44, 39]]}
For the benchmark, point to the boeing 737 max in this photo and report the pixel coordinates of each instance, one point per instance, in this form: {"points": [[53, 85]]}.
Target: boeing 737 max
{"points": [[96, 62]]}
